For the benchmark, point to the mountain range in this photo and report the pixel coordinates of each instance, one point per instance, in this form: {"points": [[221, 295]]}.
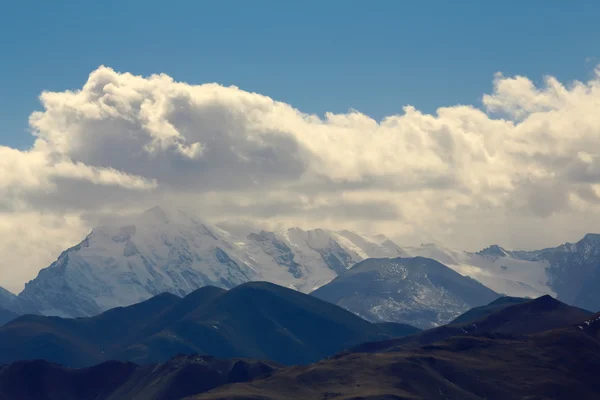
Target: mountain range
{"points": [[513, 349], [569, 272], [502, 316], [172, 250], [257, 320], [549, 358], [549, 365]]}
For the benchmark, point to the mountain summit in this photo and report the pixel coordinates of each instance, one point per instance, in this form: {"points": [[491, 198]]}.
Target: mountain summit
{"points": [[494, 251], [418, 291], [173, 250]]}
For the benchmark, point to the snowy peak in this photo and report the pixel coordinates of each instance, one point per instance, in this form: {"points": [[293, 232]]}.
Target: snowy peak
{"points": [[154, 252], [281, 253], [436, 252], [511, 273], [162, 215], [574, 271], [322, 242], [590, 244], [156, 214], [377, 246], [173, 250], [418, 291], [166, 249], [569, 271], [494, 251]]}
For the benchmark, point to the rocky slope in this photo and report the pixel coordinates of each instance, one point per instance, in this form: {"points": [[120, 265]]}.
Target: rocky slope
{"points": [[501, 270], [573, 271], [569, 272], [417, 291]]}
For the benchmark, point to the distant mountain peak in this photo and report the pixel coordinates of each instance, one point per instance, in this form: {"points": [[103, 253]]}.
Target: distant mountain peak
{"points": [[170, 215], [259, 285], [545, 299], [591, 238], [493, 251], [170, 249], [544, 303], [5, 292], [418, 290], [156, 213]]}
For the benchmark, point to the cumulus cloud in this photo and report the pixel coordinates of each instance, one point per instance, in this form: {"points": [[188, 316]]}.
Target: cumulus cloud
{"points": [[31, 240], [524, 170]]}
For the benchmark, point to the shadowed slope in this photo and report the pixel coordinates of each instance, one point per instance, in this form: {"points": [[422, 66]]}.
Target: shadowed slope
{"points": [[259, 320], [179, 377], [559, 364], [265, 321], [7, 316], [482, 311], [534, 316]]}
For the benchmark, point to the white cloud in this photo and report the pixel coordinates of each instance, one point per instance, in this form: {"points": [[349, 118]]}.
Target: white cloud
{"points": [[32, 240], [524, 171]]}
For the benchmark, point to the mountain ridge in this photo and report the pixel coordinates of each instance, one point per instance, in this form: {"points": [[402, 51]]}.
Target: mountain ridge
{"points": [[169, 250], [173, 250], [260, 320], [522, 318], [552, 361]]}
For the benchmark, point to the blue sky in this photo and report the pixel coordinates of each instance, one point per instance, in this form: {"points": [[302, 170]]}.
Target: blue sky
{"points": [[373, 56]]}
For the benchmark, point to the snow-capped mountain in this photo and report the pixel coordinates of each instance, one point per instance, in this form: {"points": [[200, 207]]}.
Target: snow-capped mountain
{"points": [[164, 250], [417, 291], [573, 270], [172, 250], [569, 272], [499, 269]]}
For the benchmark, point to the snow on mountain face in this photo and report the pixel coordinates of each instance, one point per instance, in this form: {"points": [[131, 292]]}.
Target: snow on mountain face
{"points": [[116, 266], [500, 270], [417, 291], [494, 251], [174, 251], [574, 271], [570, 272]]}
